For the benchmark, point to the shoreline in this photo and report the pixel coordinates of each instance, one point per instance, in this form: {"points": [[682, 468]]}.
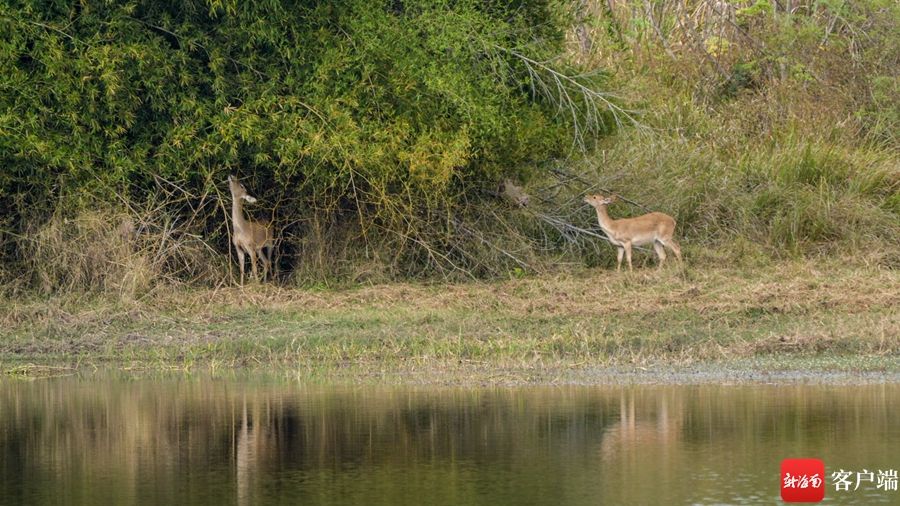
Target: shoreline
{"points": [[743, 373]]}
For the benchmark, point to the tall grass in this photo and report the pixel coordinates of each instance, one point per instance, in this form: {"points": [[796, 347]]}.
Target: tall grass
{"points": [[801, 197], [765, 130]]}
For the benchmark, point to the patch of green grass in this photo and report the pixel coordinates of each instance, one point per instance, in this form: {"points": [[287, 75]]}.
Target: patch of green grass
{"points": [[787, 311]]}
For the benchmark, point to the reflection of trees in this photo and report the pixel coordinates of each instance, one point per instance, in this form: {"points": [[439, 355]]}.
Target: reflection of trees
{"points": [[148, 442]]}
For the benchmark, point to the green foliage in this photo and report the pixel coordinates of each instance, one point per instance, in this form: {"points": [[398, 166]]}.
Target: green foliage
{"points": [[743, 76], [758, 8], [392, 113], [882, 115]]}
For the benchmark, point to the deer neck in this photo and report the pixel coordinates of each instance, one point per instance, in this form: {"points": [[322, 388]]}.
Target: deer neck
{"points": [[237, 214], [606, 223]]}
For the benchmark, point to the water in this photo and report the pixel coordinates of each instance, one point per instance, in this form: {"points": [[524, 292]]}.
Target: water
{"points": [[195, 440]]}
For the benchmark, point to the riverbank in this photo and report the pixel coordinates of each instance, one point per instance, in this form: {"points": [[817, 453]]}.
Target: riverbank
{"points": [[795, 317]]}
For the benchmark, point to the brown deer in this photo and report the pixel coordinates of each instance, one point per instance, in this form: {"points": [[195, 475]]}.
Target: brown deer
{"points": [[656, 228], [250, 237], [513, 193]]}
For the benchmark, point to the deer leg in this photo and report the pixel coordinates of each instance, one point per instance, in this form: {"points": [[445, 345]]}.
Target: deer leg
{"points": [[660, 252], [253, 264], [264, 258], [673, 245], [240, 256], [620, 251], [627, 246], [272, 264]]}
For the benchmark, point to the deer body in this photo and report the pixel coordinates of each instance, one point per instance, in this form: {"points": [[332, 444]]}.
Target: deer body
{"points": [[250, 238], [652, 228], [514, 193]]}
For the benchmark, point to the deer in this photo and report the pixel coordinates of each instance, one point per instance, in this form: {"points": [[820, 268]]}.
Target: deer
{"points": [[656, 228], [513, 193], [250, 238]]}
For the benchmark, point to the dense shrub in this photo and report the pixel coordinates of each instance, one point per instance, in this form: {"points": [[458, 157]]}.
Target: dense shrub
{"points": [[383, 117]]}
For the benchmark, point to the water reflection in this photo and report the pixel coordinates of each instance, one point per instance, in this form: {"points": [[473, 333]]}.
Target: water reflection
{"points": [[199, 440]]}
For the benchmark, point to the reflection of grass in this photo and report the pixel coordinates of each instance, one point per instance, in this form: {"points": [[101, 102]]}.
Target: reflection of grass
{"points": [[788, 311], [40, 371]]}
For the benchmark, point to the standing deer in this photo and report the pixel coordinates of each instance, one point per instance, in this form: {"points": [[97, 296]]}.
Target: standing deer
{"points": [[656, 228], [250, 237]]}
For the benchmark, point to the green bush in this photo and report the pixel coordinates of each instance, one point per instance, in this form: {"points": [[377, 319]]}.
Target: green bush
{"points": [[386, 116]]}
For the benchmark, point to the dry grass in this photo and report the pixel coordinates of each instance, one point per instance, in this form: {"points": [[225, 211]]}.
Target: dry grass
{"points": [[123, 254], [593, 318]]}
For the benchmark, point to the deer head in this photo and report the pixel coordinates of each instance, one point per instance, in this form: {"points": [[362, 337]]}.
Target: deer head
{"points": [[599, 200], [238, 191]]}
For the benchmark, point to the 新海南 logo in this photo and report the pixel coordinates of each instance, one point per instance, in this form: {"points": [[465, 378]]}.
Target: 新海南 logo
{"points": [[802, 480]]}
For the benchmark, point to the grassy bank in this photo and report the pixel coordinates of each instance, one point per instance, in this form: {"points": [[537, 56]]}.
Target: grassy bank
{"points": [[787, 315]]}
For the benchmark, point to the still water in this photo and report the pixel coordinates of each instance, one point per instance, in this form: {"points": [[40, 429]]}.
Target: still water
{"points": [[195, 440]]}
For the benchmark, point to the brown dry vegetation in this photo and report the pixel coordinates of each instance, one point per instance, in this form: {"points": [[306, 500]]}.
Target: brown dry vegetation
{"points": [[791, 311]]}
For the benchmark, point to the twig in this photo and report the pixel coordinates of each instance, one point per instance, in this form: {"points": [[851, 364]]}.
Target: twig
{"points": [[561, 172], [481, 238], [562, 99]]}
